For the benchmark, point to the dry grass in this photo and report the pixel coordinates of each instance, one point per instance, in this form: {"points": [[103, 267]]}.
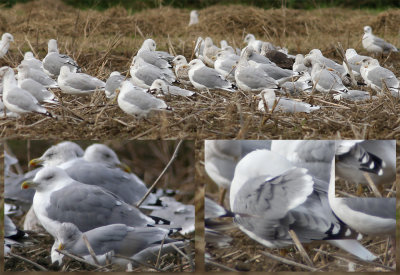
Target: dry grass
{"points": [[147, 159], [102, 42]]}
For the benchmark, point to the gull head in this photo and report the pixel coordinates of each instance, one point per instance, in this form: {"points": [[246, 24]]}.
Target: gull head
{"points": [[179, 60], [115, 73], [67, 235], [370, 63], [367, 29], [46, 179], [58, 154], [149, 44], [315, 52], [104, 154], [208, 42], [158, 87], [196, 63], [28, 55], [7, 37], [52, 46], [65, 71], [350, 53], [249, 37]]}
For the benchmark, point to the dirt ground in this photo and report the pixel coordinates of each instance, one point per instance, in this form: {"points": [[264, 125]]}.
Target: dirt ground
{"points": [[106, 41], [146, 159]]}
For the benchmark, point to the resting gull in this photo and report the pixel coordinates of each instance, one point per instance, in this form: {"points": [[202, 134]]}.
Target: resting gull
{"points": [[283, 104], [253, 42], [78, 83], [18, 100], [59, 199], [149, 55], [54, 61], [375, 44], [25, 72], [204, 78], [181, 69], [31, 61], [354, 60], [6, 38], [134, 101], [209, 52], [194, 18], [38, 91], [326, 80], [118, 239], [273, 199], [225, 63]]}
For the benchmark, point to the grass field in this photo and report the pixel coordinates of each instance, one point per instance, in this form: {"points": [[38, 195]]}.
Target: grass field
{"points": [[102, 42]]}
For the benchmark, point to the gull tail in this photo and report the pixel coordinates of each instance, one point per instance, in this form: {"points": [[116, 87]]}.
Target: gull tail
{"points": [[355, 248]]}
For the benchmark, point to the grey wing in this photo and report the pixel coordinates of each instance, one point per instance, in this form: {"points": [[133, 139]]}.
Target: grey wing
{"points": [[152, 58], [89, 207], [54, 61], [251, 145], [144, 101], [255, 78], [227, 65], [378, 207], [148, 75], [380, 74], [128, 188], [383, 44], [84, 82], [262, 206], [22, 99], [210, 78], [165, 55]]}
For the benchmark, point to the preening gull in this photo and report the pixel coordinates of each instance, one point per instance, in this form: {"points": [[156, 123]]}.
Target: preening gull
{"points": [[118, 239], [378, 77], [18, 100], [316, 55], [225, 64], [54, 61], [25, 72], [199, 48], [354, 61], [204, 78], [253, 42], [273, 199], [194, 18], [59, 199], [299, 66], [78, 83], [134, 101], [181, 69], [6, 38], [283, 104], [160, 87], [209, 52], [375, 44], [326, 80], [113, 83]]}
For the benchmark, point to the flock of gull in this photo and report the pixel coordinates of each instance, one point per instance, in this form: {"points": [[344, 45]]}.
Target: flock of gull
{"points": [[259, 67], [280, 186], [91, 193]]}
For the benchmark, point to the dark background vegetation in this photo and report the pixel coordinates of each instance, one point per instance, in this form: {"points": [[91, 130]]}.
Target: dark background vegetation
{"points": [[136, 5]]}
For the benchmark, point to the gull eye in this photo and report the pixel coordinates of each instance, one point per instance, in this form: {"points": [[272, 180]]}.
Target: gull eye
{"points": [[49, 177]]}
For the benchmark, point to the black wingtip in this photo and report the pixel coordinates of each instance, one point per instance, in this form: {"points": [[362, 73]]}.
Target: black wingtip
{"points": [[159, 220]]}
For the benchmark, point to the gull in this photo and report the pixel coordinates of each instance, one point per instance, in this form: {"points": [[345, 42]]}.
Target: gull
{"points": [[274, 196], [371, 216], [78, 83], [134, 101], [160, 87], [209, 52], [353, 95], [53, 61], [254, 56], [6, 38], [325, 79], [113, 83], [225, 64], [199, 48], [7, 112], [283, 104], [274, 71], [31, 61], [38, 91], [375, 44], [181, 69], [355, 157], [25, 72], [204, 78], [194, 18], [281, 59], [316, 54], [299, 66], [59, 199], [118, 239], [18, 100], [378, 77], [354, 61], [250, 79], [143, 74], [296, 87], [253, 42], [148, 54]]}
